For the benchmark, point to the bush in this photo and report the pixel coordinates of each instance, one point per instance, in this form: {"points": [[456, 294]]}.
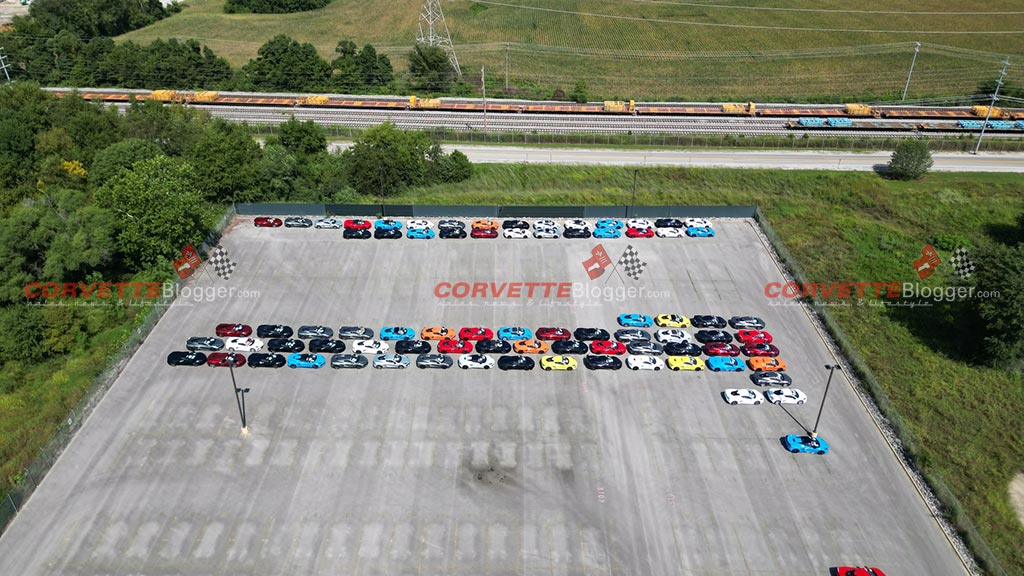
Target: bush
{"points": [[911, 160], [272, 6], [430, 69]]}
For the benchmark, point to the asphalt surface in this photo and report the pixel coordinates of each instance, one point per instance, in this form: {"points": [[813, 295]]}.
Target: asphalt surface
{"points": [[471, 472]]}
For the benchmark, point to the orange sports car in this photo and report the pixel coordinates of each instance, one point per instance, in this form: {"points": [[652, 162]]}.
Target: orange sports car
{"points": [[530, 347], [765, 364], [437, 333], [485, 225]]}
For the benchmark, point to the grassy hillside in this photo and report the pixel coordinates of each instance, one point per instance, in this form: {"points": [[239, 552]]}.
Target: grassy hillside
{"points": [[664, 49]]}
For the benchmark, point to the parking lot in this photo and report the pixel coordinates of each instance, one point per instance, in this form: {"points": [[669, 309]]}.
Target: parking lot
{"points": [[471, 472]]}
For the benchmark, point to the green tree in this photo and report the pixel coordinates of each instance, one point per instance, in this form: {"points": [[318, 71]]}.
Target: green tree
{"points": [[579, 92], [911, 160], [25, 321], [301, 138], [430, 68], [452, 167], [1000, 270], [88, 18], [174, 128], [277, 171], [224, 157], [347, 75], [284, 64], [375, 69], [385, 160], [120, 156]]}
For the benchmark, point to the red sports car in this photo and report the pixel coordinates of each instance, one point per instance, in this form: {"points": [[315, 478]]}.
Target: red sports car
{"points": [[754, 337], [760, 350], [233, 330], [454, 347], [721, 349], [225, 359], [358, 225], [858, 571], [484, 233], [553, 334], [607, 347], [267, 222], [640, 233], [476, 333]]}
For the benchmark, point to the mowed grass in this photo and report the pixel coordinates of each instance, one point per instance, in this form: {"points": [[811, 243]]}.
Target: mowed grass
{"points": [[659, 50]]}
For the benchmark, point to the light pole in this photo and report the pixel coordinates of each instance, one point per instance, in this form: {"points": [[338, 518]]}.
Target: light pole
{"points": [[239, 396], [831, 370]]}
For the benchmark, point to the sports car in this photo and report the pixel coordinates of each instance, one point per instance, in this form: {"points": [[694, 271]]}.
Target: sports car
{"points": [[706, 336], [370, 347], [545, 233], [267, 222], [439, 361], [249, 344], [576, 233], [602, 362], [685, 363], [669, 233], [785, 396], [683, 349], [420, 233], [668, 223], [355, 333], [387, 224], [769, 350], [328, 223], [515, 225], [550, 363], [631, 334], [607, 347], [516, 363], [671, 320], [274, 331], [724, 364], [454, 347], [233, 330], [753, 337], [266, 360], [315, 332], [607, 233], [437, 333], [387, 234], [356, 234], [721, 349], [514, 333], [736, 396], [412, 347], [704, 321], [285, 345], [857, 570], [746, 322], [639, 223], [397, 333], [696, 223], [493, 346], [451, 233], [796, 443], [476, 361], [530, 347], [484, 233], [700, 232], [666, 335], [576, 224], [635, 320], [569, 347], [644, 347], [186, 359], [225, 359], [205, 343], [771, 379], [420, 224], [313, 361], [591, 334], [545, 224], [640, 232], [452, 224], [552, 333], [326, 345], [485, 225], [339, 361], [475, 333], [297, 222], [358, 225], [644, 363], [609, 223], [390, 361], [515, 233], [763, 364]]}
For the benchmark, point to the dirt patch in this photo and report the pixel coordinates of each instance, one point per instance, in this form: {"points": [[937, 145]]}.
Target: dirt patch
{"points": [[11, 8], [1017, 495]]}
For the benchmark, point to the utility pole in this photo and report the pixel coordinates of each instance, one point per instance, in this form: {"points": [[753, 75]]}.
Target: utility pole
{"points": [[995, 97], [831, 370], [506, 69], [3, 65], [917, 47], [483, 83]]}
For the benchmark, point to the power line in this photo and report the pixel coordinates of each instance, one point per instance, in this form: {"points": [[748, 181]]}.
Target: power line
{"points": [[825, 10]]}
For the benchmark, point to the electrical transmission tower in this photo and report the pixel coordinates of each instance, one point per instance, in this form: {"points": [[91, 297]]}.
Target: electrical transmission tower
{"points": [[4, 65], [433, 31]]}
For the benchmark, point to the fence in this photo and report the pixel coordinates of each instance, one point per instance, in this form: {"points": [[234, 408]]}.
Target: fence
{"points": [[30, 478], [493, 211]]}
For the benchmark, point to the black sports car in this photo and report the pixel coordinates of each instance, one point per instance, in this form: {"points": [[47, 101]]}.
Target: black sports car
{"points": [[452, 233], [771, 379], [631, 335], [493, 347], [668, 223], [412, 347], [274, 331], [442, 361], [266, 360], [355, 333], [588, 334], [296, 222], [707, 321], [204, 343], [644, 347], [602, 362], [515, 224], [348, 361], [286, 345], [576, 233], [451, 224], [746, 323], [568, 347], [387, 234], [516, 363], [315, 332], [326, 345], [683, 349], [356, 234], [186, 359], [705, 336]]}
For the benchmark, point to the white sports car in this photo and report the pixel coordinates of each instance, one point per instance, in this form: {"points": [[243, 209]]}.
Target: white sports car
{"points": [[545, 233], [696, 223], [244, 344], [577, 224], [545, 224], [419, 224], [644, 363], [370, 347], [666, 335], [639, 223], [736, 396], [329, 223], [515, 233], [670, 232], [785, 396], [476, 361], [390, 361]]}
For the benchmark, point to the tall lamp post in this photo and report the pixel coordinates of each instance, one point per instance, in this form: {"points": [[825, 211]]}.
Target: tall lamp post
{"points": [[831, 370], [239, 396]]}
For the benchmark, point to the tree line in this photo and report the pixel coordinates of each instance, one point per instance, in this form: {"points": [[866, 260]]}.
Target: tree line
{"points": [[272, 6]]}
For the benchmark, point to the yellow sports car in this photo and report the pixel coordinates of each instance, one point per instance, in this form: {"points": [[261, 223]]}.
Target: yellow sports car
{"points": [[530, 347], [672, 321], [557, 363], [437, 333], [685, 363]]}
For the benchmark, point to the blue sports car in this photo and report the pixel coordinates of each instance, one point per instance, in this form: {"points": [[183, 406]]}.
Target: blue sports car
{"points": [[514, 333], [701, 232], [795, 444], [607, 233], [635, 320], [421, 233], [387, 224], [397, 333], [609, 223], [305, 360], [724, 364]]}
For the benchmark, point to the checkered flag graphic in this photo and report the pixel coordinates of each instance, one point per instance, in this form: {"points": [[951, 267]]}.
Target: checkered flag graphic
{"points": [[631, 263], [222, 265], [963, 265]]}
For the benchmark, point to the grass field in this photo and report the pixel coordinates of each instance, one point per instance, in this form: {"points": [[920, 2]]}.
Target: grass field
{"points": [[649, 49]]}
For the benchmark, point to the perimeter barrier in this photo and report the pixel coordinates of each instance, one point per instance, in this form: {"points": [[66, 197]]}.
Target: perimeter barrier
{"points": [[491, 211]]}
